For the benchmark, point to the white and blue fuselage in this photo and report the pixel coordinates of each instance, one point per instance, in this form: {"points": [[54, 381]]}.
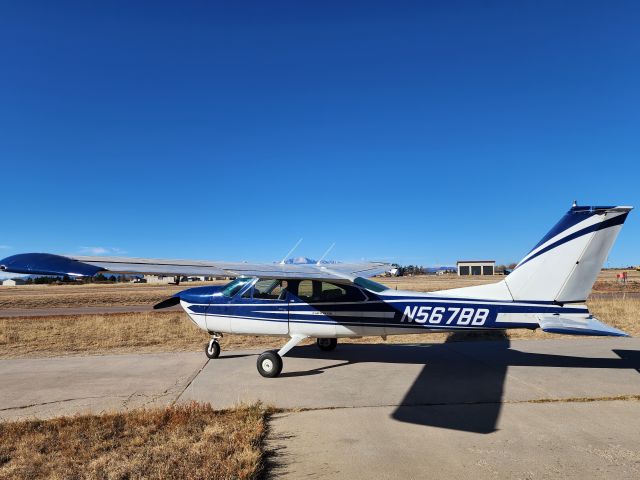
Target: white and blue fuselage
{"points": [[381, 313]]}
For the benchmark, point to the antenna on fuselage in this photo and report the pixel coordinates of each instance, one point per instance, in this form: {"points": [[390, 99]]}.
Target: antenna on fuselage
{"points": [[290, 252], [326, 253]]}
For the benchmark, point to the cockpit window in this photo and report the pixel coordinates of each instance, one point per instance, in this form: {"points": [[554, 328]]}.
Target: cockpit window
{"points": [[370, 285], [234, 287]]}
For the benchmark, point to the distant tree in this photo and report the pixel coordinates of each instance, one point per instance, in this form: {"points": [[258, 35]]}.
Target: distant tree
{"points": [[46, 280]]}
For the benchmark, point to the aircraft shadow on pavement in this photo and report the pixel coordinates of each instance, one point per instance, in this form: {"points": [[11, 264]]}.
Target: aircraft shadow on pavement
{"points": [[457, 375]]}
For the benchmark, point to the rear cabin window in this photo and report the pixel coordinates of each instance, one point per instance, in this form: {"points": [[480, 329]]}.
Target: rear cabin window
{"points": [[325, 292], [305, 290]]}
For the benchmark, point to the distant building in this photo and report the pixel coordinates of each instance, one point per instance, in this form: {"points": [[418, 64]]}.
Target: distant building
{"points": [[165, 279], [160, 279], [476, 267], [13, 282]]}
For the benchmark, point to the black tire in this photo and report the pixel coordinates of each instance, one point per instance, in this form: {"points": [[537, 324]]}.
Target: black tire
{"points": [[327, 344], [270, 364], [212, 350]]}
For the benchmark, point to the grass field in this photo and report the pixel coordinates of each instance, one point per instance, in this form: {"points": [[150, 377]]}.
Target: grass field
{"points": [[172, 331], [56, 296], [187, 441], [90, 295]]}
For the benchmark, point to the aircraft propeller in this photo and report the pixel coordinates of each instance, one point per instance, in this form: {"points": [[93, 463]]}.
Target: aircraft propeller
{"points": [[169, 302]]}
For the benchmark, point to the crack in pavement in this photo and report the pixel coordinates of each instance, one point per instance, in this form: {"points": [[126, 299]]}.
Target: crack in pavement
{"points": [[631, 397], [190, 380], [150, 397], [32, 405]]}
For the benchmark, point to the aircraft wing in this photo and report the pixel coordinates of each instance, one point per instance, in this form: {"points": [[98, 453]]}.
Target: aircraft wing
{"points": [[49, 264], [577, 325]]}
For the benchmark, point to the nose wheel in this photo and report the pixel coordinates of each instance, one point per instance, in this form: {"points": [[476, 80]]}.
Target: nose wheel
{"points": [[212, 349]]}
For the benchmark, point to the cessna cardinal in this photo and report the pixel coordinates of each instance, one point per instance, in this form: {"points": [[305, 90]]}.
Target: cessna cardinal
{"points": [[547, 290]]}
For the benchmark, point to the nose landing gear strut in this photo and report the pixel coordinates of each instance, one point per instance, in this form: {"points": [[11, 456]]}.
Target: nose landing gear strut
{"points": [[212, 349]]}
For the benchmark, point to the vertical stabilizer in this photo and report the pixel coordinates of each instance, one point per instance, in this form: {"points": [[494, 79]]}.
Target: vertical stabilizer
{"points": [[564, 265]]}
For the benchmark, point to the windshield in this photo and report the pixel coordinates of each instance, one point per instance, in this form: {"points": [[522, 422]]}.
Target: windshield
{"points": [[234, 287], [370, 285]]}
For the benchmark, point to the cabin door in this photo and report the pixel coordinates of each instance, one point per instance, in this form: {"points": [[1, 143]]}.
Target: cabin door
{"points": [[261, 310]]}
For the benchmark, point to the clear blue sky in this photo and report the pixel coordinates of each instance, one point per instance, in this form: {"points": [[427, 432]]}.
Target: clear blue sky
{"points": [[417, 133]]}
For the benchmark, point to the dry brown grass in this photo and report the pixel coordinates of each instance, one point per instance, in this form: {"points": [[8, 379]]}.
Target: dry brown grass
{"points": [[184, 441], [173, 332], [606, 282], [622, 313], [91, 295], [95, 295], [94, 334], [111, 333]]}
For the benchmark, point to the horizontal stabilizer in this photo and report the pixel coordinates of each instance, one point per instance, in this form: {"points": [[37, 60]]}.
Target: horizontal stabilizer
{"points": [[577, 325]]}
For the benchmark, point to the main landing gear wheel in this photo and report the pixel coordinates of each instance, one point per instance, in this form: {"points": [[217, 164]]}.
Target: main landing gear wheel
{"points": [[212, 349], [270, 364], [327, 344]]}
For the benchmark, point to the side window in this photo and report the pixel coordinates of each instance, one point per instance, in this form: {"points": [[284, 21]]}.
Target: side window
{"points": [[305, 290], [269, 289], [339, 293]]}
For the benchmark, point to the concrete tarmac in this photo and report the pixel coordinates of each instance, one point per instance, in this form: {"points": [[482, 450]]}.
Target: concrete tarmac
{"points": [[520, 409], [49, 387], [531, 440]]}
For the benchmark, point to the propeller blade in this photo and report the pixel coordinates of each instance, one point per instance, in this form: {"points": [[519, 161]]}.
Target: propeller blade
{"points": [[169, 302]]}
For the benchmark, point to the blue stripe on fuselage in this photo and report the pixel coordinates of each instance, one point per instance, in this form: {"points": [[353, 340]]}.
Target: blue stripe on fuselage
{"points": [[338, 313]]}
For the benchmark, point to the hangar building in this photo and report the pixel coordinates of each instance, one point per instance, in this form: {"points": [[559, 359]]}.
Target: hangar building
{"points": [[476, 267]]}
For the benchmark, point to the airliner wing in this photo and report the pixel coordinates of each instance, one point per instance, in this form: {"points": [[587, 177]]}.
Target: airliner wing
{"points": [[49, 264]]}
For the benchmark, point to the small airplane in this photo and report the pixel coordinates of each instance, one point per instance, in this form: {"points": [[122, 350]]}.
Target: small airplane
{"points": [[547, 290]]}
